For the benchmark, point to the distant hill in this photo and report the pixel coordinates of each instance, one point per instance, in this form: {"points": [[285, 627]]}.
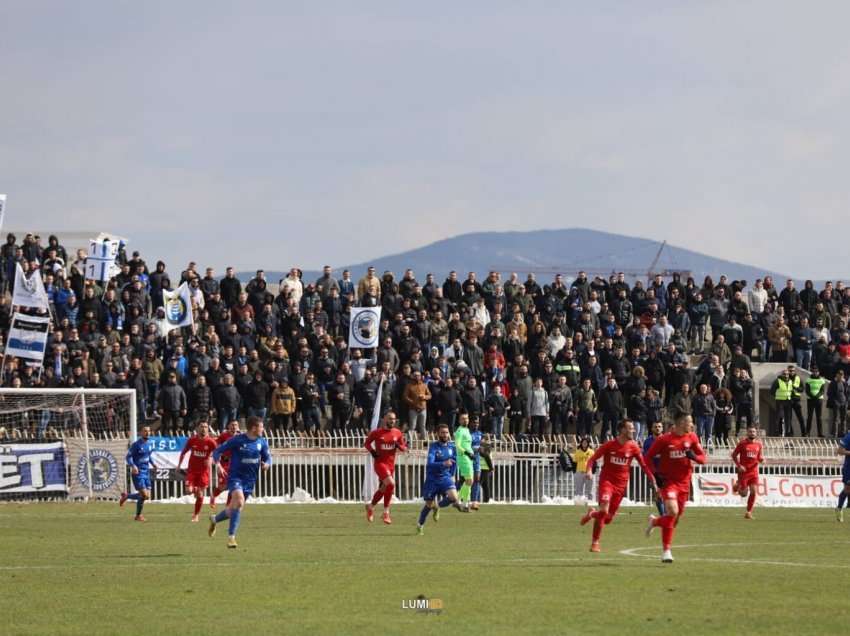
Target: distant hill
{"points": [[548, 251]]}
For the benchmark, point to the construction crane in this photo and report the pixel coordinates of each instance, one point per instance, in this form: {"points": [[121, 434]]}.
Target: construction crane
{"points": [[650, 272]]}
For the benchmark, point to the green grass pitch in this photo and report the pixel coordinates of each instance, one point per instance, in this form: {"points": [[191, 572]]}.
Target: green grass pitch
{"points": [[322, 569]]}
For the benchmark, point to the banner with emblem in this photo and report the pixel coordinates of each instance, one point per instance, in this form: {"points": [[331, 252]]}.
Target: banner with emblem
{"points": [[32, 468], [108, 468], [29, 290], [178, 307], [363, 328], [101, 262], [28, 337], [370, 479]]}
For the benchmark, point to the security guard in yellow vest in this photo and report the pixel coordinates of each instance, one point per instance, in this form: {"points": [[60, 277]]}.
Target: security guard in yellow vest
{"points": [[815, 390], [783, 393]]}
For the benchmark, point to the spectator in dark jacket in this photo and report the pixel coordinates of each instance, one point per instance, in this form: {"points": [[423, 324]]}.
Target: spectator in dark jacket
{"points": [[172, 405]]}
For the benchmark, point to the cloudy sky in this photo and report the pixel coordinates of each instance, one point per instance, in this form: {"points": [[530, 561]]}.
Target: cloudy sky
{"points": [[266, 134]]}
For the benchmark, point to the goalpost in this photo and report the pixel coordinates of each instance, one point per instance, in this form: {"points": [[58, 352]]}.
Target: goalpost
{"points": [[58, 443]]}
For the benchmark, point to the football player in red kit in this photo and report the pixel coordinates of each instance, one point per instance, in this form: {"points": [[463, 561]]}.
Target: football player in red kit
{"points": [[383, 443], [747, 457], [221, 486], [676, 452], [200, 446], [618, 454]]}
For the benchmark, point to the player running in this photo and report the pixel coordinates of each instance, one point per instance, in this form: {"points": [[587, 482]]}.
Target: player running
{"points": [[614, 478], [201, 446], [676, 451], [439, 477], [140, 463], [747, 457], [383, 443], [844, 449], [249, 452], [477, 437], [465, 457], [224, 462]]}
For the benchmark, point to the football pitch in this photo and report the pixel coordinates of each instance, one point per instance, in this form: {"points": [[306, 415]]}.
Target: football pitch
{"points": [[322, 569]]}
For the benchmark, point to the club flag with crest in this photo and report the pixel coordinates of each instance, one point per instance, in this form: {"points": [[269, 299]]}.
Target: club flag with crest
{"points": [[370, 479], [28, 337], [364, 327], [178, 307], [29, 290], [2, 208]]}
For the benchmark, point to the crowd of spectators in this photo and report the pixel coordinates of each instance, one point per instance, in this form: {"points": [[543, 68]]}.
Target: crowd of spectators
{"points": [[524, 357]]}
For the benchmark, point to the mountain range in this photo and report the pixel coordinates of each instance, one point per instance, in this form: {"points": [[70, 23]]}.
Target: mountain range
{"points": [[544, 252]]}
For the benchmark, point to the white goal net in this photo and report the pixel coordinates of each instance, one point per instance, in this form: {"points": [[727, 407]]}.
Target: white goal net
{"points": [[59, 443]]}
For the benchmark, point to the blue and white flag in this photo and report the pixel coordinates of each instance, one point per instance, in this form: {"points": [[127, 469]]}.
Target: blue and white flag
{"points": [[28, 337], [178, 307], [364, 327], [29, 290], [32, 468], [101, 262], [2, 209]]}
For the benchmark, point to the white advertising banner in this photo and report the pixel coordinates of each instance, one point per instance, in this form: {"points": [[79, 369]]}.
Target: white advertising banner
{"points": [[777, 491]]}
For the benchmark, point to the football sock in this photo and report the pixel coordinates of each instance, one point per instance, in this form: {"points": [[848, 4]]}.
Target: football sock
{"points": [[377, 497], [598, 523], [388, 495], [423, 514], [751, 501], [597, 514], [234, 522], [199, 503], [464, 492], [140, 503], [476, 491], [445, 502], [842, 499], [221, 516]]}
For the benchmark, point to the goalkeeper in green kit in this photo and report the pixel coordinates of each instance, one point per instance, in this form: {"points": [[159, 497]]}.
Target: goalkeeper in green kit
{"points": [[465, 455]]}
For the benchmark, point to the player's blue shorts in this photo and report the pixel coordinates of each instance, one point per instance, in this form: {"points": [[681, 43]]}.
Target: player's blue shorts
{"points": [[235, 483], [433, 487], [142, 481]]}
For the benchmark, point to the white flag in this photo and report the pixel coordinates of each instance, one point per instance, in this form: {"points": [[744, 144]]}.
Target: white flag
{"points": [[2, 209], [370, 479], [29, 292], [178, 307], [364, 327], [28, 337]]}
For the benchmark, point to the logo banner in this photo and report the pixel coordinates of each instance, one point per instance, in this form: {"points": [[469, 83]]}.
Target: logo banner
{"points": [[32, 468], [365, 323], [28, 337], [166, 453], [178, 307], [780, 491], [108, 468], [29, 291]]}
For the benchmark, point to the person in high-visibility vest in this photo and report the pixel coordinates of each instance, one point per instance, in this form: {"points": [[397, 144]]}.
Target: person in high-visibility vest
{"points": [[782, 391], [815, 390]]}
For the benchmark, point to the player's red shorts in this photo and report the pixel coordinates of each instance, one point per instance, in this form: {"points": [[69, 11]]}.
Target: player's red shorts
{"points": [[679, 492], [748, 478], [384, 470], [198, 479], [612, 495]]}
